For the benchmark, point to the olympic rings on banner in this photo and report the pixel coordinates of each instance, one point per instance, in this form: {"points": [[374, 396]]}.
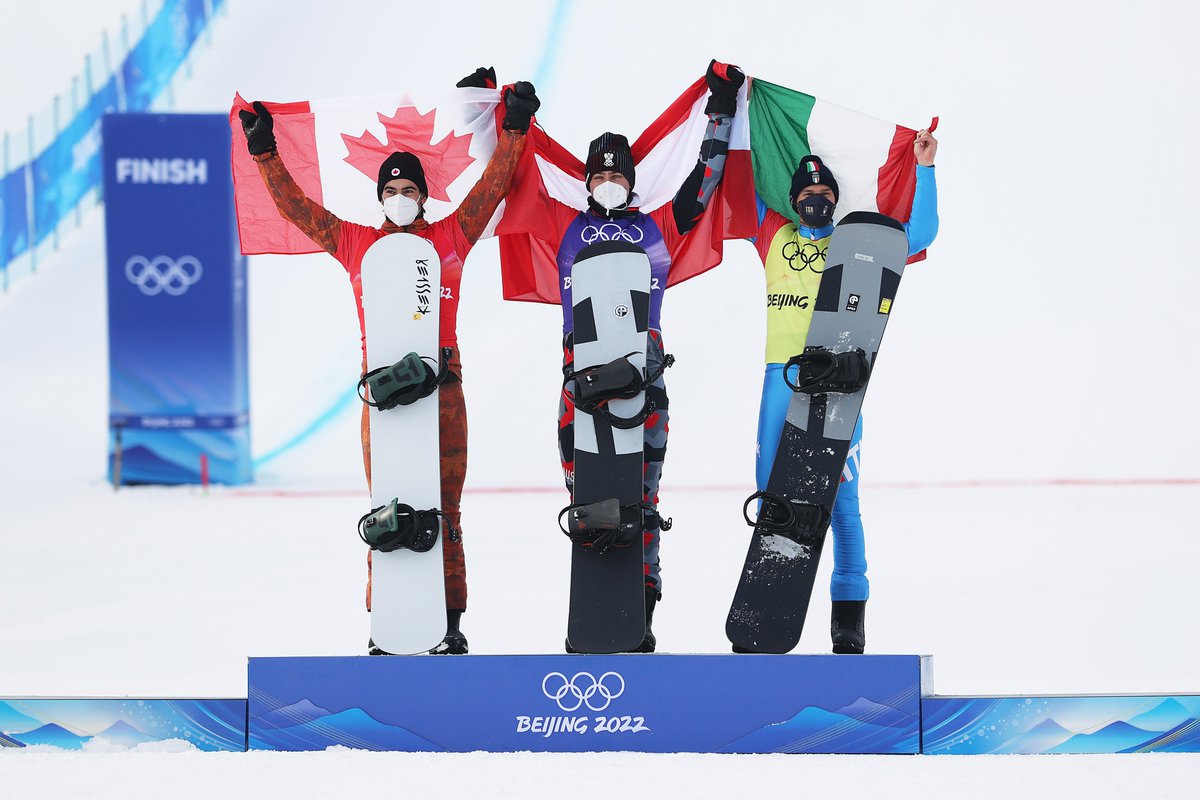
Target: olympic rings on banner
{"points": [[163, 274]]}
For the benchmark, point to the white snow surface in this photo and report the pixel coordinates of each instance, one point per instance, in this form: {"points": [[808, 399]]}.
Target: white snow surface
{"points": [[1052, 326]]}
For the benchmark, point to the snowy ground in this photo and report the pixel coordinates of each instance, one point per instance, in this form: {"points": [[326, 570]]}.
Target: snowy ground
{"points": [[591, 776], [1014, 583]]}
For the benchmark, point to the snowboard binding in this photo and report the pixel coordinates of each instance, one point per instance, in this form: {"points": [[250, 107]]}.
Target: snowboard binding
{"points": [[820, 371], [599, 526], [403, 383], [397, 526], [619, 379], [803, 523]]}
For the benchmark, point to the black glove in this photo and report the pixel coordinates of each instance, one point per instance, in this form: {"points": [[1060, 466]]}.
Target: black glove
{"points": [[259, 129], [520, 104], [482, 78], [723, 81]]}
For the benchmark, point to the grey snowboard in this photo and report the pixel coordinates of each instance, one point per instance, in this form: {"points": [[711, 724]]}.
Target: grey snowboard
{"points": [[864, 264], [610, 290]]}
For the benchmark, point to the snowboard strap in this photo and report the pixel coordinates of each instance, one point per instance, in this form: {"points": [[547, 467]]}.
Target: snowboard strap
{"points": [[397, 525], [801, 522], [405, 382], [606, 524], [820, 371], [619, 379]]}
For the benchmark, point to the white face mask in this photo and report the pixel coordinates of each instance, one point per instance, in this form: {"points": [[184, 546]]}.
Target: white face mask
{"points": [[401, 210], [610, 195]]}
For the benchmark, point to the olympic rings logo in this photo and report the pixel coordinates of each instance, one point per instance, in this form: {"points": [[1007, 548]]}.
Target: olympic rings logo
{"points": [[583, 688], [810, 256], [163, 274], [612, 232]]}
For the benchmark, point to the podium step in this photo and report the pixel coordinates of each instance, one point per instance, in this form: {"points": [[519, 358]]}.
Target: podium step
{"points": [[1062, 724], [572, 703], [79, 723]]}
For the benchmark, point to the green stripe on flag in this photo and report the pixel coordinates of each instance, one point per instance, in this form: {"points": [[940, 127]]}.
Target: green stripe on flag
{"points": [[778, 140]]}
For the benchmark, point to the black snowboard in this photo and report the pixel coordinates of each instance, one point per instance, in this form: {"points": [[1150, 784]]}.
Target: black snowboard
{"points": [[610, 293], [866, 258]]}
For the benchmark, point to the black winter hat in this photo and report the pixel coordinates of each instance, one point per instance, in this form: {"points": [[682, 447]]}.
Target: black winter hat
{"points": [[812, 171], [609, 151], [402, 165]]}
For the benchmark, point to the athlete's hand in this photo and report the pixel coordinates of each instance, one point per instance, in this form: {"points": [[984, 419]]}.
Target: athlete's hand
{"points": [[520, 104], [482, 78], [925, 148], [259, 129], [723, 81]]}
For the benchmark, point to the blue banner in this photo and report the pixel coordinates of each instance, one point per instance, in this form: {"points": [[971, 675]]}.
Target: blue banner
{"points": [[646, 703], [70, 166], [176, 301], [161, 50], [14, 218]]}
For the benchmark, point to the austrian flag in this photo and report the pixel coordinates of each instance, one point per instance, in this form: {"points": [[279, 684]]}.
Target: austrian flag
{"points": [[333, 148], [664, 154]]}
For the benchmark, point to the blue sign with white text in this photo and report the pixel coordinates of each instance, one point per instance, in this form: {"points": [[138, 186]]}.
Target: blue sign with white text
{"points": [[179, 404], [572, 703]]}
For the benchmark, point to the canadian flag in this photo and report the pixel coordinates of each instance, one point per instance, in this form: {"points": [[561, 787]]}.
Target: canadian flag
{"points": [[333, 148]]}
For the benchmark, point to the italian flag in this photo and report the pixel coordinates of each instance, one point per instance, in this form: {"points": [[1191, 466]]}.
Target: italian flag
{"points": [[871, 160], [333, 148], [665, 154]]}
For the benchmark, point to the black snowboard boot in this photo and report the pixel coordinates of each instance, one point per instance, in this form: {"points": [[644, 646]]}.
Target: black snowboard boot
{"points": [[374, 649], [848, 627], [455, 644], [648, 644]]}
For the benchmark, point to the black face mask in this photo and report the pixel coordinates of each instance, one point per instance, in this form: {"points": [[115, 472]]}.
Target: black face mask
{"points": [[815, 211]]}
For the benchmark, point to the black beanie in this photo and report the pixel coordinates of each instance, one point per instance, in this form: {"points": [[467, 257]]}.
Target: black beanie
{"points": [[610, 151], [812, 171], [402, 165]]}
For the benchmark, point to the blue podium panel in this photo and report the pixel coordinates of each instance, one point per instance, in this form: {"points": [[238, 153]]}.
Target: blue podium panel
{"points": [[570, 703], [1062, 724], [80, 723]]}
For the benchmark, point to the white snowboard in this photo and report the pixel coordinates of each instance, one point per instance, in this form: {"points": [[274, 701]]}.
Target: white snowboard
{"points": [[401, 288]]}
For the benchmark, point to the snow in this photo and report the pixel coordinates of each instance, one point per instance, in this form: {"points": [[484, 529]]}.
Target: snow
{"points": [[1077, 323]]}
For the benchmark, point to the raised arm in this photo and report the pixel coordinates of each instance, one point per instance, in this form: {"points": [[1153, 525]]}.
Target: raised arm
{"points": [[296, 207], [697, 190], [922, 226], [520, 102]]}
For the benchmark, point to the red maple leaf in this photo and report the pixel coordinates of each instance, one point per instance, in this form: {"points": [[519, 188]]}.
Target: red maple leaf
{"points": [[412, 131]]}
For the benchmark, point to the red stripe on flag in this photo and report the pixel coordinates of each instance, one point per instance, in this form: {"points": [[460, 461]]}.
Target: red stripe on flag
{"points": [[260, 226], [528, 263], [898, 180], [731, 214]]}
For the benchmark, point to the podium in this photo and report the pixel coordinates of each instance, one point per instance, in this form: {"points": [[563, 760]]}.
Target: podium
{"points": [[573, 703]]}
